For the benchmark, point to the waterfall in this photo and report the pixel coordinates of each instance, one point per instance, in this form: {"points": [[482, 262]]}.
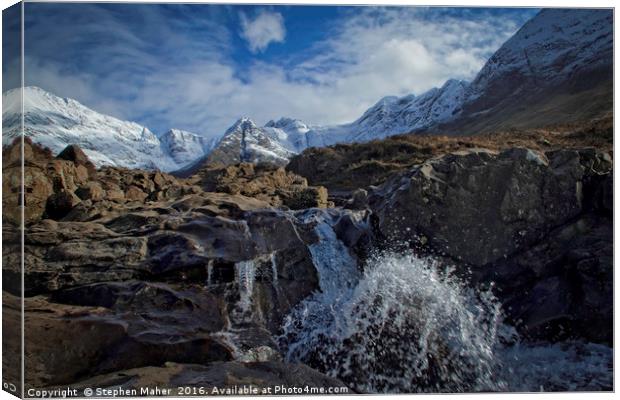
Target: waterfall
{"points": [[407, 325], [245, 272], [337, 269], [404, 328], [274, 270]]}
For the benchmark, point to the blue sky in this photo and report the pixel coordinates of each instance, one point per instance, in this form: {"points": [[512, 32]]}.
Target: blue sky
{"points": [[200, 67]]}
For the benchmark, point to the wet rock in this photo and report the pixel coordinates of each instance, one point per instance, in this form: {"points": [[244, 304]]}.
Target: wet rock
{"points": [[169, 252], [536, 225], [137, 268], [577, 260], [359, 200]]}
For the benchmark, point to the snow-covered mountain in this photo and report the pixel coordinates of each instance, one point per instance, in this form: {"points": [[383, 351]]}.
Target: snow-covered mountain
{"points": [[393, 115], [185, 147], [557, 68], [244, 141], [56, 122], [549, 49], [291, 133]]}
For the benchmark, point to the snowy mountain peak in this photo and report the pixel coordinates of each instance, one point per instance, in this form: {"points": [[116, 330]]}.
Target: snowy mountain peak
{"points": [[549, 48], [56, 122], [244, 141], [242, 125], [394, 115], [288, 125], [184, 147]]}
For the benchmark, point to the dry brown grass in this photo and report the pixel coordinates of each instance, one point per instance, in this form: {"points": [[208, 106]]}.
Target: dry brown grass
{"points": [[349, 166]]}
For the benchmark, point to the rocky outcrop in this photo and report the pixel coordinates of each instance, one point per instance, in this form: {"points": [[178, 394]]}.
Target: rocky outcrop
{"points": [[263, 181], [68, 187], [137, 276], [183, 281], [537, 224], [55, 187]]}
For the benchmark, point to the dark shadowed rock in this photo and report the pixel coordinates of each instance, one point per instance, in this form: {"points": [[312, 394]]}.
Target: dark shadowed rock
{"points": [[65, 342], [480, 206], [60, 204], [73, 153]]}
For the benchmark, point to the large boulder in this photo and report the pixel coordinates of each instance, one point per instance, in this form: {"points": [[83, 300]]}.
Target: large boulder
{"points": [[91, 191], [60, 204], [480, 206], [74, 153]]}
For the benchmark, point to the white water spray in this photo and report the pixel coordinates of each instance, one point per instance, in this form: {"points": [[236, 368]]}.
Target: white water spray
{"points": [[403, 328]]}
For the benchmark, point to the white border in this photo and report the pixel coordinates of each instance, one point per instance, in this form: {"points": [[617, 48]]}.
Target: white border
{"points": [[459, 3]]}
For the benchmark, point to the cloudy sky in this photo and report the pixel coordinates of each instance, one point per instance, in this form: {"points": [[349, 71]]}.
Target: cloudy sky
{"points": [[201, 67]]}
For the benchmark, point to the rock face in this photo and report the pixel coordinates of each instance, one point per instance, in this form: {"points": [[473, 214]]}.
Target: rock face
{"points": [[535, 223], [131, 269], [263, 181]]}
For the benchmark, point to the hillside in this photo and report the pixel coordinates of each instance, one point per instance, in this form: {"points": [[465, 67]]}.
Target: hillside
{"points": [[361, 165]]}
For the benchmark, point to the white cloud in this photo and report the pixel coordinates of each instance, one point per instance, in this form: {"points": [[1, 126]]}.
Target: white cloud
{"points": [[266, 28], [361, 62]]}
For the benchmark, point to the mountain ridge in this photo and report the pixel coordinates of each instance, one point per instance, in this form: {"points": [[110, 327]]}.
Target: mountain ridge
{"points": [[57, 122]]}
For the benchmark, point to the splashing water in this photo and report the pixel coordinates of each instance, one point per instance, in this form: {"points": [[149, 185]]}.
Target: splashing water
{"points": [[567, 366], [406, 326]]}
